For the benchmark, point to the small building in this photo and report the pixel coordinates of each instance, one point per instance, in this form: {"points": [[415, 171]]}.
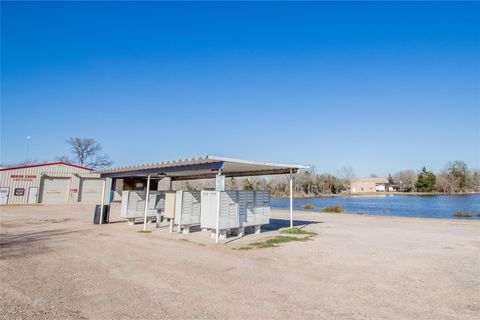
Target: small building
{"points": [[359, 185], [50, 183]]}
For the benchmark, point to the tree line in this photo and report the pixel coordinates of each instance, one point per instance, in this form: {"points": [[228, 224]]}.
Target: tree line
{"points": [[454, 178]]}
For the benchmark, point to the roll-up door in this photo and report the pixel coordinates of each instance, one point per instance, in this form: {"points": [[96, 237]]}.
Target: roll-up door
{"points": [[55, 190], [90, 190]]}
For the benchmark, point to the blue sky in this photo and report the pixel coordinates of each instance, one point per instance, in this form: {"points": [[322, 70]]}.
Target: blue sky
{"points": [[377, 86]]}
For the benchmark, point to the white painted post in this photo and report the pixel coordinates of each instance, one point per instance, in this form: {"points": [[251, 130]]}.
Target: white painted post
{"points": [[147, 194], [291, 199], [217, 227], [102, 201]]}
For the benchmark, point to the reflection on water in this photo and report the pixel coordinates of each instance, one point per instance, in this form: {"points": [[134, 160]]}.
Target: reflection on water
{"points": [[441, 206]]}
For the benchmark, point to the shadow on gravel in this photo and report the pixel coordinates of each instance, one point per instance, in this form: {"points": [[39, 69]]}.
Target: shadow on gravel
{"points": [[276, 224], [27, 243]]}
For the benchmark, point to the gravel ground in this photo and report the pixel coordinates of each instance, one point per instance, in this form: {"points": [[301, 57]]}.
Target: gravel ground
{"points": [[55, 264]]}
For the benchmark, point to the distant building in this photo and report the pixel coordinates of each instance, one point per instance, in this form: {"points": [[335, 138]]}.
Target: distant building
{"points": [[49, 183], [359, 185]]}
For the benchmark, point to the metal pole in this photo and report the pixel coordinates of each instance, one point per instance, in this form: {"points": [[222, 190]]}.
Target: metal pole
{"points": [[217, 227], [28, 148], [291, 199], [101, 205], [147, 194]]}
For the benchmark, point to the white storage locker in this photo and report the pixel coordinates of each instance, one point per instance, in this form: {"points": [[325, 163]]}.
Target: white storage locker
{"points": [[169, 204], [187, 207], [133, 204], [262, 207], [209, 205], [229, 210], [246, 201], [237, 209]]}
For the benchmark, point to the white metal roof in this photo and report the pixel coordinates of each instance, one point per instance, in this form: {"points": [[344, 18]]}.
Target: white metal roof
{"points": [[202, 168]]}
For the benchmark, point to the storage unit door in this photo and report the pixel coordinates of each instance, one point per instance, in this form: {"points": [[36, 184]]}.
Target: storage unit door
{"points": [[208, 204], [90, 191], [187, 208], [196, 207], [233, 218], [228, 210], [55, 190], [246, 203], [260, 198]]}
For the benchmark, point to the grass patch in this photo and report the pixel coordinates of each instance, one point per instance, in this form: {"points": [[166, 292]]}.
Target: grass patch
{"points": [[308, 207], [198, 244], [460, 214], [336, 209], [297, 231], [275, 242], [103, 235], [144, 231], [243, 248]]}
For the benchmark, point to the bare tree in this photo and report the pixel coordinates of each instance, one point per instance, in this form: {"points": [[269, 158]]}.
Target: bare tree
{"points": [[406, 180], [475, 180], [446, 183], [346, 174], [86, 153], [458, 170]]}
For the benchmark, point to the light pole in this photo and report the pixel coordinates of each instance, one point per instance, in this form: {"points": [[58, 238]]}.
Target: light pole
{"points": [[28, 148]]}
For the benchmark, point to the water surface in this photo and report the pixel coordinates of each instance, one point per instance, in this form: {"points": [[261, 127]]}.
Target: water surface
{"points": [[438, 206]]}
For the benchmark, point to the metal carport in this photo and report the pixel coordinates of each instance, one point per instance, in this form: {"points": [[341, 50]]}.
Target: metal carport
{"points": [[207, 167]]}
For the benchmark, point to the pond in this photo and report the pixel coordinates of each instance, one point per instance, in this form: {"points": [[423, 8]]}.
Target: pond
{"points": [[435, 206]]}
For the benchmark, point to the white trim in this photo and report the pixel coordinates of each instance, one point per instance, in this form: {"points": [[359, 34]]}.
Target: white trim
{"points": [[147, 195], [279, 165], [103, 196], [291, 199]]}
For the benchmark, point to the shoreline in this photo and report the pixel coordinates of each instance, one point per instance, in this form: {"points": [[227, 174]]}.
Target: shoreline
{"points": [[377, 215], [369, 194]]}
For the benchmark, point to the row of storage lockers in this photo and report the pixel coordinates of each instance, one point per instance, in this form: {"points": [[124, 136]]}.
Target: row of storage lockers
{"points": [[238, 208]]}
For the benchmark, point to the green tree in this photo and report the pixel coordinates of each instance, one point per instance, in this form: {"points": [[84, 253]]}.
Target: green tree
{"points": [[426, 181], [390, 180], [247, 185]]}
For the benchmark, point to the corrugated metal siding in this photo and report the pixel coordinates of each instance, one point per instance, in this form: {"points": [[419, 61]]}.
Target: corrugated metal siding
{"points": [[32, 177]]}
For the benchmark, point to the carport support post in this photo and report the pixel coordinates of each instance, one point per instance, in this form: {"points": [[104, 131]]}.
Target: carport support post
{"points": [[291, 199], [147, 194], [102, 202], [217, 227]]}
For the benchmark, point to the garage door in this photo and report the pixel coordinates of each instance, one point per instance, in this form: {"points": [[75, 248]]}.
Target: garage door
{"points": [[55, 190], [90, 190]]}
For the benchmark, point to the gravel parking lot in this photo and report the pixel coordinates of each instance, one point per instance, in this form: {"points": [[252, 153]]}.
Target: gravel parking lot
{"points": [[55, 264]]}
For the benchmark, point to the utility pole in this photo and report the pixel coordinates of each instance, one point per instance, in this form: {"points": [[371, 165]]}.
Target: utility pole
{"points": [[28, 148]]}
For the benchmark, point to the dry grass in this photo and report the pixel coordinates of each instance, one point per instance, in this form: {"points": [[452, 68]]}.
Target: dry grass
{"points": [[460, 214], [336, 209]]}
